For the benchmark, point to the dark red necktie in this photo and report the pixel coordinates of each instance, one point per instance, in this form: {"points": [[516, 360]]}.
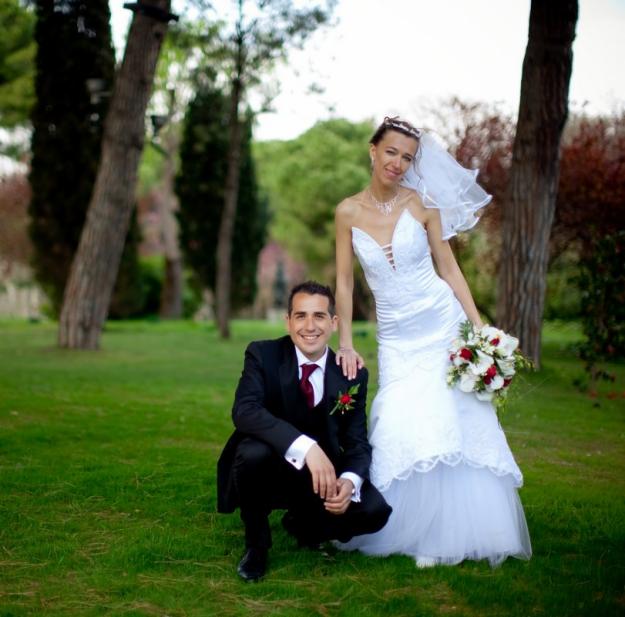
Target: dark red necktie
{"points": [[305, 385]]}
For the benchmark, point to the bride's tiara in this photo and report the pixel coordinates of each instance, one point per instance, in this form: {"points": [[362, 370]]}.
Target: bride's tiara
{"points": [[402, 126]]}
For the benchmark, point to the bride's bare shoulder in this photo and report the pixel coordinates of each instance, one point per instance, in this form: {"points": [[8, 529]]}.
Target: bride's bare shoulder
{"points": [[415, 204], [349, 209], [412, 197]]}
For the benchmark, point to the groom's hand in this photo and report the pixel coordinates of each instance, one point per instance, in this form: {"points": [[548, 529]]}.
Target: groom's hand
{"points": [[340, 502], [322, 472]]}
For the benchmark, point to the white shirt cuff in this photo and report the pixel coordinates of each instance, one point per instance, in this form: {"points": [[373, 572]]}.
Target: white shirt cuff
{"points": [[356, 480], [296, 454]]}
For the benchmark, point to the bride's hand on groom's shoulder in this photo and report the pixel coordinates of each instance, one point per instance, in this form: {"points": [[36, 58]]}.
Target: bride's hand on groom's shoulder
{"points": [[350, 361]]}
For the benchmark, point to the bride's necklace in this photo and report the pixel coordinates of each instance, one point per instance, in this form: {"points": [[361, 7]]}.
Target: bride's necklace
{"points": [[385, 207]]}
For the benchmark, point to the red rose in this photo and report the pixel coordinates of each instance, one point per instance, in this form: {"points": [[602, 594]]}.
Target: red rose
{"points": [[465, 353], [344, 401], [494, 342], [487, 379], [451, 357], [492, 371], [506, 381]]}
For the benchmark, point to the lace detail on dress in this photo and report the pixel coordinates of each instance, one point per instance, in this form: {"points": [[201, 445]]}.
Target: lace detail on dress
{"points": [[452, 459]]}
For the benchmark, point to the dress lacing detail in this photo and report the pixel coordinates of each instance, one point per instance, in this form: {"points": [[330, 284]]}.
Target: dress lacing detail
{"points": [[388, 253]]}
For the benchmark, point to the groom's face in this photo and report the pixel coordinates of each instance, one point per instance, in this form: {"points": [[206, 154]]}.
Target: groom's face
{"points": [[310, 324]]}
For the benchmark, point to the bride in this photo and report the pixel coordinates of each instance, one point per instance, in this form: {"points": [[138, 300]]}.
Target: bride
{"points": [[440, 457]]}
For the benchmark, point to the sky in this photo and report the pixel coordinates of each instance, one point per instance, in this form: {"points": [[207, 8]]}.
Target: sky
{"points": [[387, 57]]}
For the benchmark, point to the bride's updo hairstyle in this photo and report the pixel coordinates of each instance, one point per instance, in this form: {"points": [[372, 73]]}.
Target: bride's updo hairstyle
{"points": [[395, 124]]}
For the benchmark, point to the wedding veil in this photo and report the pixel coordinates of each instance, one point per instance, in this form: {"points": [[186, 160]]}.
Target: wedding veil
{"points": [[443, 183]]}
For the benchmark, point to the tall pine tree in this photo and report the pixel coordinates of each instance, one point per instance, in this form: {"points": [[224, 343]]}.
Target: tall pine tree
{"points": [[74, 55], [200, 189]]}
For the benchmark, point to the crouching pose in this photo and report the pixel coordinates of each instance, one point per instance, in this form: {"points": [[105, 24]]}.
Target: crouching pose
{"points": [[300, 442]]}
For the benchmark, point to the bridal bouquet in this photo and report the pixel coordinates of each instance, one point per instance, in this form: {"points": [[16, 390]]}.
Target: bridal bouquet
{"points": [[484, 361]]}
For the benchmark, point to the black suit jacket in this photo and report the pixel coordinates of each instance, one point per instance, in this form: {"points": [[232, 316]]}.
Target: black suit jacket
{"points": [[268, 406]]}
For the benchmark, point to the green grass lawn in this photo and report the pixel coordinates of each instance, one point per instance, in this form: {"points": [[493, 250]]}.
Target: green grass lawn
{"points": [[107, 490]]}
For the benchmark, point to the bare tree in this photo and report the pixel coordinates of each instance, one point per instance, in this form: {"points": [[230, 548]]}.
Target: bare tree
{"points": [[182, 55], [96, 262], [262, 33], [531, 198]]}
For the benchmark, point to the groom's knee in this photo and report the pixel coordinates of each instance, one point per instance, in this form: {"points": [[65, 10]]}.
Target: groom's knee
{"points": [[251, 455], [377, 510]]}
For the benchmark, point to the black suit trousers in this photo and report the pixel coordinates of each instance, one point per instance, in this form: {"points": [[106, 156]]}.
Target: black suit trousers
{"points": [[266, 481]]}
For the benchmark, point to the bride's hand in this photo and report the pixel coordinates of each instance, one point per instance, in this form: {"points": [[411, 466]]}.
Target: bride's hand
{"points": [[350, 361]]}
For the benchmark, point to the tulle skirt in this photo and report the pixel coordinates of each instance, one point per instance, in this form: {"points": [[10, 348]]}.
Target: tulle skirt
{"points": [[449, 514]]}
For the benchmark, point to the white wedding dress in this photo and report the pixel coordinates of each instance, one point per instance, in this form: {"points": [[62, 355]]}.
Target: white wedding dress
{"points": [[440, 457]]}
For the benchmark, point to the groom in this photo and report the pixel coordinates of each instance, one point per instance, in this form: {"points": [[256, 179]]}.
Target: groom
{"points": [[289, 449]]}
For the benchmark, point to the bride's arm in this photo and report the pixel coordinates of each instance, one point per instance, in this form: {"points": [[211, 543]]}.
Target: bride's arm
{"points": [[346, 355], [448, 267]]}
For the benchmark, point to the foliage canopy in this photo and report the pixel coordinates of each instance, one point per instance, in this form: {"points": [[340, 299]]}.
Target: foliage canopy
{"points": [[17, 62], [306, 178]]}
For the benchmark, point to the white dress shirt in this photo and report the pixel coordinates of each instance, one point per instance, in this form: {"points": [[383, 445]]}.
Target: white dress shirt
{"points": [[296, 454]]}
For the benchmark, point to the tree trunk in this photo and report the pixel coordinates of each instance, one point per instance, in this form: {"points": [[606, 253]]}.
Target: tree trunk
{"points": [[530, 206], [95, 265], [171, 295], [231, 196]]}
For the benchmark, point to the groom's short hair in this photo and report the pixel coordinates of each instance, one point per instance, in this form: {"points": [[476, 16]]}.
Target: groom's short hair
{"points": [[311, 288]]}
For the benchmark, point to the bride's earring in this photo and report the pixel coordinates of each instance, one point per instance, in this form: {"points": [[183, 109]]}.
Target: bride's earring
{"points": [[371, 167]]}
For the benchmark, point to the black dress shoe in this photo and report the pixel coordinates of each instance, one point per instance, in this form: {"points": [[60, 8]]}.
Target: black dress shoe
{"points": [[253, 565]]}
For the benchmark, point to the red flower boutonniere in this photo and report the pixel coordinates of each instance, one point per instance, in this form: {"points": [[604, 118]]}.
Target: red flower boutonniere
{"points": [[345, 400]]}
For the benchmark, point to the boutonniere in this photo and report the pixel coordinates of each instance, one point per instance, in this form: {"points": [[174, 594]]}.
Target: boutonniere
{"points": [[345, 400]]}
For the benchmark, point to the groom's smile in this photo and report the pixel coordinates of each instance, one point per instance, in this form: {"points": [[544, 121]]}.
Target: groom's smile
{"points": [[310, 324]]}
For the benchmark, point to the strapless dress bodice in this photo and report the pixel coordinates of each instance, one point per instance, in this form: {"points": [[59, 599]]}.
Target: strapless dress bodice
{"points": [[415, 308]]}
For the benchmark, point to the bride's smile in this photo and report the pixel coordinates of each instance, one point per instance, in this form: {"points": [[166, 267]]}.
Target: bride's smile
{"points": [[391, 158]]}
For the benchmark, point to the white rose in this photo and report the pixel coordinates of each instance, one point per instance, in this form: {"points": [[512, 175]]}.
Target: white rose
{"points": [[491, 340], [467, 381], [508, 344], [484, 361]]}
